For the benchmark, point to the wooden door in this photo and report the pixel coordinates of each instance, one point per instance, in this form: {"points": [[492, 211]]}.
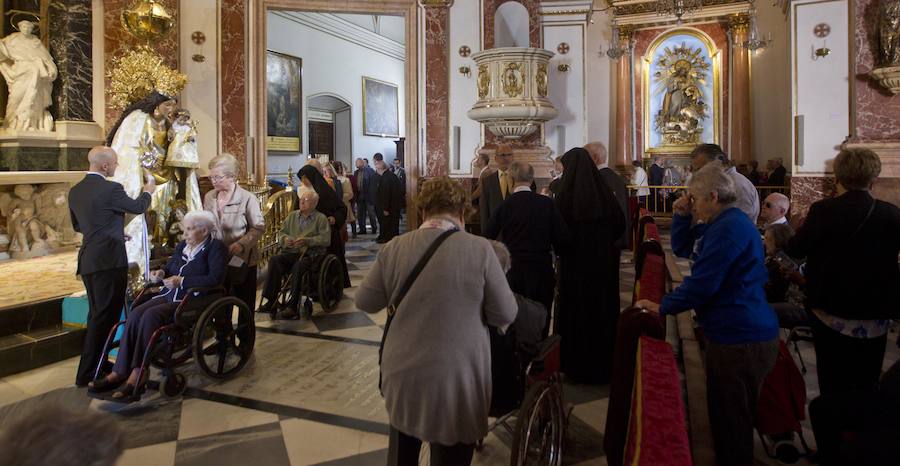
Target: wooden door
{"points": [[321, 138]]}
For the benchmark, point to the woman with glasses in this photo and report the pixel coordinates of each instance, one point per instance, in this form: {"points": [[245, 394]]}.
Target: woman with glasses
{"points": [[240, 223]]}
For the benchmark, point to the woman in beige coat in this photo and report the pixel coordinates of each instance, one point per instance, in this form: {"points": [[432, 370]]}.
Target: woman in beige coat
{"points": [[240, 223], [436, 365]]}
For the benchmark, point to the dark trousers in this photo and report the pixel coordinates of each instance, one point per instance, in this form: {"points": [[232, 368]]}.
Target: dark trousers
{"points": [[403, 450], [390, 225], [245, 289], [282, 264], [106, 298], [845, 363], [365, 210], [734, 376], [870, 417], [142, 321]]}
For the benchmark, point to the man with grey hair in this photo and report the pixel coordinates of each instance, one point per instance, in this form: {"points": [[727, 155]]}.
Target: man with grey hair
{"points": [[98, 207], [747, 196], [615, 183], [532, 229], [303, 238], [774, 209]]}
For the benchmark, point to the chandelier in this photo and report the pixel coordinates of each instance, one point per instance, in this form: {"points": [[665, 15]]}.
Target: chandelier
{"points": [[677, 8], [616, 48], [755, 41]]}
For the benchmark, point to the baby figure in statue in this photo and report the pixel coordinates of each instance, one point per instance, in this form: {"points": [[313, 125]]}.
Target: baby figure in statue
{"points": [[182, 150]]}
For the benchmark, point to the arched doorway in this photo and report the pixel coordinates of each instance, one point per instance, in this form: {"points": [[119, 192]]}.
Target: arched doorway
{"points": [[330, 127]]}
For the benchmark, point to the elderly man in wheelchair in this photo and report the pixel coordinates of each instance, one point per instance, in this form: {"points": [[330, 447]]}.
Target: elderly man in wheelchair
{"points": [[303, 239], [199, 262]]}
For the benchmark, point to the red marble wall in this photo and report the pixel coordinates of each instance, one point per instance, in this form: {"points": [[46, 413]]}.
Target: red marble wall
{"points": [[642, 41], [116, 42], [437, 89], [233, 85], [877, 110]]}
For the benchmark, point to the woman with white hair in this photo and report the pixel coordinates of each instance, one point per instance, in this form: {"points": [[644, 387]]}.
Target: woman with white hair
{"points": [[240, 223], [726, 289], [198, 261]]}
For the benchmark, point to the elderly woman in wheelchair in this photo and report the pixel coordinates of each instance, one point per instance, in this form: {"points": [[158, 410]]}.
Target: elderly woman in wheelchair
{"points": [[303, 240], [199, 261]]}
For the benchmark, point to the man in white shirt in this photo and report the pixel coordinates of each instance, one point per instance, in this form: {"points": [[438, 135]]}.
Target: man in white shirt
{"points": [[639, 179], [774, 209], [747, 196]]}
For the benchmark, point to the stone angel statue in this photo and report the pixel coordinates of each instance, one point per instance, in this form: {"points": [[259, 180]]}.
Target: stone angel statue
{"points": [[27, 234], [52, 202], [29, 71]]}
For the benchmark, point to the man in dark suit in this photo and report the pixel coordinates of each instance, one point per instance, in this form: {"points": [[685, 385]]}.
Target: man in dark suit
{"points": [[777, 174], [530, 226], [496, 186], [365, 196], [389, 200], [655, 177], [98, 209], [615, 183]]}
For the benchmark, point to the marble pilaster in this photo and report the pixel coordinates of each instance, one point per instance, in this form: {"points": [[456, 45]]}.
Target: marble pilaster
{"points": [[437, 88], [740, 91], [70, 45], [876, 110], [233, 17], [624, 149]]}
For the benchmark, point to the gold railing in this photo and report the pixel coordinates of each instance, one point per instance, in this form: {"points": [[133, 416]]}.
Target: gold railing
{"points": [[659, 201], [276, 210]]}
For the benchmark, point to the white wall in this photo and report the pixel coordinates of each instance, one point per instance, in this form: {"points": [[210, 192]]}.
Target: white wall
{"points": [[343, 134], [770, 78], [465, 29], [335, 66], [567, 89], [201, 94], [600, 75], [822, 90]]}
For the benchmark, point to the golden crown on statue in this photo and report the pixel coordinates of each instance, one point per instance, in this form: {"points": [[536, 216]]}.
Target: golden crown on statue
{"points": [[138, 73]]}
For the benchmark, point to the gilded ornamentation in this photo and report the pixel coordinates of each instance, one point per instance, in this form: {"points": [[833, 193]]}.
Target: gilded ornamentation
{"points": [[681, 77], [513, 84], [484, 81], [889, 32], [147, 19], [138, 73], [739, 22], [541, 79]]}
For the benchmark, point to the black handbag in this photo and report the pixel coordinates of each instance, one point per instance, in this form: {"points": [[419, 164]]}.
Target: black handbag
{"points": [[404, 288]]}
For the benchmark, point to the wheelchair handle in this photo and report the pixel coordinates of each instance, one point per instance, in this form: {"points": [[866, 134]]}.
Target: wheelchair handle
{"points": [[199, 289]]}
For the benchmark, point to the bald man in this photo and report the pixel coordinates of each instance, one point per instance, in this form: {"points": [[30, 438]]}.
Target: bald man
{"points": [[98, 207], [614, 182], [774, 209]]}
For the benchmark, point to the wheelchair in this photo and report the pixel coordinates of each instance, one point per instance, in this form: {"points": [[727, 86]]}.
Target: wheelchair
{"points": [[325, 287], [538, 423], [216, 330]]}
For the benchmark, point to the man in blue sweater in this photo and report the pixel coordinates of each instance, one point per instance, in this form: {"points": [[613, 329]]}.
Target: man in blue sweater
{"points": [[726, 290]]}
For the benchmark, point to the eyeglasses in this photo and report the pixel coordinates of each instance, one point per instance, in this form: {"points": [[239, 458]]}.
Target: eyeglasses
{"points": [[219, 177], [768, 205]]}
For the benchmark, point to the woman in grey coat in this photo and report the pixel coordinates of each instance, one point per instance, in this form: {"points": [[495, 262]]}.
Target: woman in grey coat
{"points": [[436, 365]]}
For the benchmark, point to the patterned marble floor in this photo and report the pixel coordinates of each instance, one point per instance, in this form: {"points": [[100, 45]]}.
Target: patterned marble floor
{"points": [[308, 397]]}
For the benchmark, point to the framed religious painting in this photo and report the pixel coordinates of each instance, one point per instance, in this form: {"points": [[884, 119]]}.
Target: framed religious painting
{"points": [[381, 108], [681, 92], [284, 91]]}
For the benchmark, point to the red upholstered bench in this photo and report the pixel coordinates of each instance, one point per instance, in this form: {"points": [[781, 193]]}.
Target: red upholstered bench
{"points": [[657, 433]]}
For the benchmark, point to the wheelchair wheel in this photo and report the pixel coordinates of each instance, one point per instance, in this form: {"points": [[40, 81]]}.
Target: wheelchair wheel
{"points": [[285, 294], [173, 385], [331, 282], [540, 428], [224, 337]]}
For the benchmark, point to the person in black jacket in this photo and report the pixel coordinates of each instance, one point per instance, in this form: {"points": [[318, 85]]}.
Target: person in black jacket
{"points": [[614, 182], [98, 209], [389, 200], [530, 226], [334, 209], [777, 173], [851, 243], [199, 261]]}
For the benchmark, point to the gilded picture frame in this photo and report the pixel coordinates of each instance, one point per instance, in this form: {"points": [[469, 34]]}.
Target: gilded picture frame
{"points": [[381, 108], [284, 102]]}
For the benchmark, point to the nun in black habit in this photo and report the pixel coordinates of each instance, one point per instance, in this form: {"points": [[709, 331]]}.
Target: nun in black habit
{"points": [[333, 207], [588, 306]]}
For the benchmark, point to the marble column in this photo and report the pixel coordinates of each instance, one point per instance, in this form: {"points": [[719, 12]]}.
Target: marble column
{"points": [[70, 46], [437, 86], [740, 91], [233, 69], [624, 110]]}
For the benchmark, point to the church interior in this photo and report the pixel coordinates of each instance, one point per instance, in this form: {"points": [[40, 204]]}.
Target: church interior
{"points": [[190, 94]]}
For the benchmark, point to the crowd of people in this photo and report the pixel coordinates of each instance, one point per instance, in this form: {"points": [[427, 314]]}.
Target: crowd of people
{"points": [[556, 250]]}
